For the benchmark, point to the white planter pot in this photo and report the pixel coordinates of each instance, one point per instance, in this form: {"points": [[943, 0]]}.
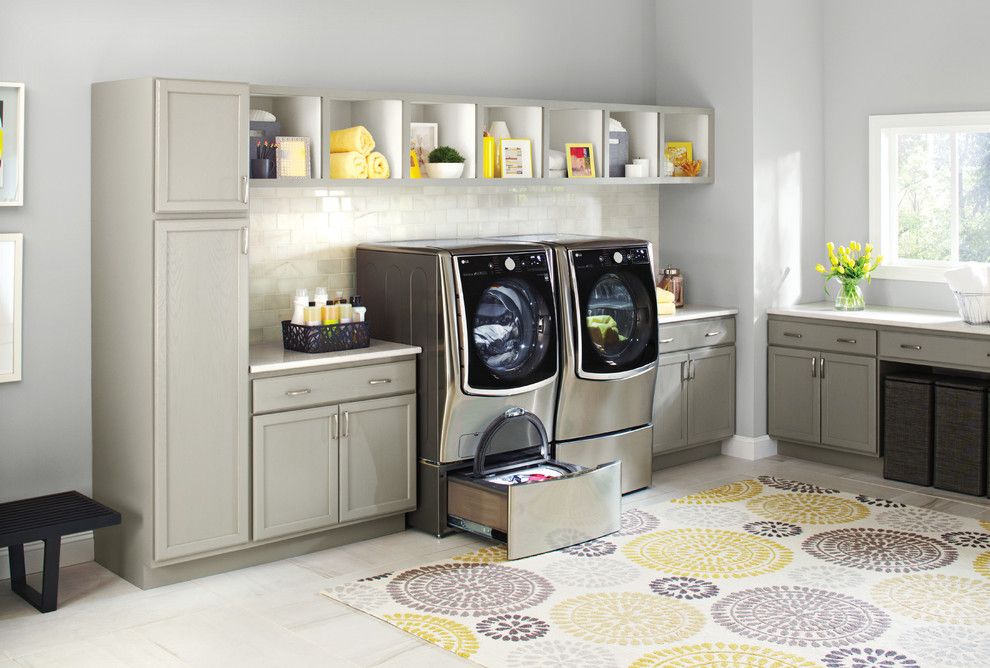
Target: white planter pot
{"points": [[445, 170]]}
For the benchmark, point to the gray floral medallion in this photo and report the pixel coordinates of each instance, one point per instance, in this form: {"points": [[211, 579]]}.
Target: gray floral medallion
{"points": [[977, 539], [882, 550], [636, 521], [469, 590], [867, 657], [772, 529], [794, 485], [591, 548], [684, 588], [513, 628]]}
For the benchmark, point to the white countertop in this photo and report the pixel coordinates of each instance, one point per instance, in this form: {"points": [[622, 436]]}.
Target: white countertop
{"points": [[696, 312], [267, 357], [948, 322]]}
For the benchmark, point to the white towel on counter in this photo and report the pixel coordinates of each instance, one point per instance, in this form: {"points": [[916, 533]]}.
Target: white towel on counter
{"points": [[556, 160], [970, 278]]}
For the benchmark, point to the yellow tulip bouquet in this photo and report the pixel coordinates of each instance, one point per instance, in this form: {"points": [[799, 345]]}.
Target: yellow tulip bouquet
{"points": [[849, 266]]}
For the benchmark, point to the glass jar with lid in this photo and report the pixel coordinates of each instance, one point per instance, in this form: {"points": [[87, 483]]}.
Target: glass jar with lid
{"points": [[672, 280]]}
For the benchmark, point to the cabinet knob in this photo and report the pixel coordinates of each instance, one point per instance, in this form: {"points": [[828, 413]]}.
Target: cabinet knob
{"points": [[852, 341], [379, 381], [666, 340], [907, 346], [712, 333], [297, 393], [793, 335]]}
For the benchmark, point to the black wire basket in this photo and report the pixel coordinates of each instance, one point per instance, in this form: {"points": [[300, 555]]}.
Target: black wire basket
{"points": [[325, 338]]}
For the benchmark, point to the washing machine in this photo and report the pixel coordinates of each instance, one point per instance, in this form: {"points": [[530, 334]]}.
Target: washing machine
{"points": [[485, 315], [609, 346]]}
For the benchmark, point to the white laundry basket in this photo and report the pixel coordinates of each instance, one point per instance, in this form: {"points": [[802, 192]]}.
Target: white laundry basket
{"points": [[974, 307]]}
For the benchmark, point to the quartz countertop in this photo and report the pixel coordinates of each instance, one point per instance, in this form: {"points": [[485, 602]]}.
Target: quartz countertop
{"points": [[269, 357], [947, 322], [696, 312]]}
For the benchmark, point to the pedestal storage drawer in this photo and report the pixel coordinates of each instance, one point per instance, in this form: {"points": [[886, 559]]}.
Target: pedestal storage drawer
{"points": [[327, 387], [935, 350], [697, 334], [832, 338]]}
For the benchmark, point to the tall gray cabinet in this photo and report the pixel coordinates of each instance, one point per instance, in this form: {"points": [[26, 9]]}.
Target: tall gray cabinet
{"points": [[170, 320]]}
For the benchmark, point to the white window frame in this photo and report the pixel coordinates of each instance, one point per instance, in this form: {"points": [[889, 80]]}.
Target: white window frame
{"points": [[883, 234]]}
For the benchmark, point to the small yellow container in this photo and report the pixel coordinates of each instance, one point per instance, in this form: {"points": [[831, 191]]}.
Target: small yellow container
{"points": [[488, 157]]}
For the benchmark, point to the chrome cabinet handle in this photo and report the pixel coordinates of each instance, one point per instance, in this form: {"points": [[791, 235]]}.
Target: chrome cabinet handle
{"points": [[814, 367], [793, 335], [906, 346], [334, 427], [852, 341], [821, 368], [712, 333], [692, 372], [379, 381], [666, 340], [347, 424], [684, 377], [245, 240], [244, 189], [297, 393]]}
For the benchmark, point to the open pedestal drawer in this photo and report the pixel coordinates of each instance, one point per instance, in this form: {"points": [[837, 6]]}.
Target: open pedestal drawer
{"points": [[536, 505]]}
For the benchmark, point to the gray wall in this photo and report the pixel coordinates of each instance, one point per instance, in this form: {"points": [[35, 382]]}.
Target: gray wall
{"points": [[59, 48], [894, 57]]}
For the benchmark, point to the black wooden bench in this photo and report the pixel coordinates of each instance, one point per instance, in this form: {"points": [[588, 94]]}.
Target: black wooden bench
{"points": [[47, 518]]}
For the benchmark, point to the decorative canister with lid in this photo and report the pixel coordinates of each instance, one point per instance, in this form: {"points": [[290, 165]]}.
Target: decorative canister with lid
{"points": [[672, 280]]}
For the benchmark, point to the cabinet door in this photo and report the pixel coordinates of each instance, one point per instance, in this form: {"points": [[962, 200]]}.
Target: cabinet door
{"points": [[201, 146], [670, 406], [849, 402], [794, 395], [201, 386], [295, 471], [377, 457], [711, 394]]}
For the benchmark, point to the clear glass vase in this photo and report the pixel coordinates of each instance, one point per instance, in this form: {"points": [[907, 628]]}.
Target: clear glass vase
{"points": [[850, 296]]}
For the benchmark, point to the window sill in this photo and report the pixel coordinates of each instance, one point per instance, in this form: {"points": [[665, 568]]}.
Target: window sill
{"points": [[911, 273]]}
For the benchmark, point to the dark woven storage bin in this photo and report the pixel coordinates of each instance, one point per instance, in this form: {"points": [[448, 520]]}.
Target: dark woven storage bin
{"points": [[961, 435], [325, 338], [907, 428]]}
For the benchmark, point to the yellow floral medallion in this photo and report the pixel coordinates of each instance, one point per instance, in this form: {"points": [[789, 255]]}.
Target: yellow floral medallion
{"points": [[734, 491], [445, 633], [627, 618], [934, 597], [982, 564], [985, 524], [721, 655], [486, 555], [708, 553], [799, 508]]}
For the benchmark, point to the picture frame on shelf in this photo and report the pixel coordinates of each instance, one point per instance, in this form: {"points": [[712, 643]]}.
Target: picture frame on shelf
{"points": [[11, 144], [11, 294], [516, 157], [423, 138], [293, 157], [580, 161]]}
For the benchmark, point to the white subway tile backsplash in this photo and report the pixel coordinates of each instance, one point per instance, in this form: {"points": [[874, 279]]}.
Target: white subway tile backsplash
{"points": [[306, 237]]}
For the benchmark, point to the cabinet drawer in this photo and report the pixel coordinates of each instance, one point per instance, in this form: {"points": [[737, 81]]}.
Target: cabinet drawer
{"points": [[935, 349], [327, 387], [833, 338], [697, 334]]}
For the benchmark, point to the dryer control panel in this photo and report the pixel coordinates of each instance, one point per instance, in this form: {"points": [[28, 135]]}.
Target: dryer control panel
{"points": [[611, 257], [504, 265]]}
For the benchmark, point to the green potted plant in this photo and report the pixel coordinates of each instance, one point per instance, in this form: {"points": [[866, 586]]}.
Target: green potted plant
{"points": [[445, 163]]}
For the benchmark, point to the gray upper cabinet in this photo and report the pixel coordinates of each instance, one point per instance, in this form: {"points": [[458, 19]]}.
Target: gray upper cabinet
{"points": [[670, 406], [794, 394], [849, 402], [295, 471], [201, 444], [201, 146], [377, 457], [711, 394]]}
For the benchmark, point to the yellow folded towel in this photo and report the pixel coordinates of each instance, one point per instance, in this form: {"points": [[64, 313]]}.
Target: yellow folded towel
{"points": [[378, 166], [666, 309], [352, 139], [350, 165], [664, 296]]}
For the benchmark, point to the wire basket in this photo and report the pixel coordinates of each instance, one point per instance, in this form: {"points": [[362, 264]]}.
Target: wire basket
{"points": [[974, 307], [325, 338]]}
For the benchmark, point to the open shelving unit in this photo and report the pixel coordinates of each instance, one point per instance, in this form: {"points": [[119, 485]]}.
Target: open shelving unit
{"points": [[461, 121]]}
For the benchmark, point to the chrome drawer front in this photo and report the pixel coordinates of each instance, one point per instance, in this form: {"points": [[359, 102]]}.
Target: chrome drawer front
{"points": [[696, 334], [937, 350], [829, 338], [327, 387], [633, 448]]}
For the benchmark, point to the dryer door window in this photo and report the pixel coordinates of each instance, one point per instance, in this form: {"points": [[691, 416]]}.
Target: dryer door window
{"points": [[511, 336], [619, 320]]}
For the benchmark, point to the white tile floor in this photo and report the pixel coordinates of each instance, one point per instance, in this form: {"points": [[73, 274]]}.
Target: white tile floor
{"points": [[273, 615]]}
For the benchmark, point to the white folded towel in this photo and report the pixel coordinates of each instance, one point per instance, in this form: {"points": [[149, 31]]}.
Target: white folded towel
{"points": [[262, 115], [615, 126], [557, 160], [972, 278]]}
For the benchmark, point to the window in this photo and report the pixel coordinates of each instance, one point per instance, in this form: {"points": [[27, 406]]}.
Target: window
{"points": [[930, 192]]}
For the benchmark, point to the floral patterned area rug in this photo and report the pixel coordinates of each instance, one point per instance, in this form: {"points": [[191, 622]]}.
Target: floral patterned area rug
{"points": [[764, 572]]}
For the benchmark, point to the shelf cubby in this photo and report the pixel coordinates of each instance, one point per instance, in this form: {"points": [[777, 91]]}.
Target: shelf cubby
{"points": [[524, 122], [382, 118], [298, 116], [456, 123], [696, 126], [578, 126], [643, 130]]}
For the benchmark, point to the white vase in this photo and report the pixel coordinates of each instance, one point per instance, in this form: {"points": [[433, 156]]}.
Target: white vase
{"points": [[445, 170]]}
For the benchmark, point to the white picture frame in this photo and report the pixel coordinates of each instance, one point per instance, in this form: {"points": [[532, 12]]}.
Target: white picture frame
{"points": [[11, 144], [11, 295], [292, 159], [516, 156], [423, 138]]}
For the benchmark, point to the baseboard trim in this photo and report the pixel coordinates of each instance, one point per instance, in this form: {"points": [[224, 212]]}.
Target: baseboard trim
{"points": [[76, 549], [750, 447]]}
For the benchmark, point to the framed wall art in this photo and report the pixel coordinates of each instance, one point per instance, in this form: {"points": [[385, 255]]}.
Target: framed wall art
{"points": [[517, 158], [11, 144], [11, 280], [580, 161]]}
